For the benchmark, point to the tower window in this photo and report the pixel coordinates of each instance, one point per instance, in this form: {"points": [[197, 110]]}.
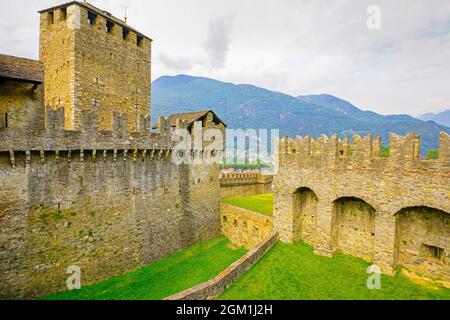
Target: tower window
{"points": [[139, 40], [4, 120], [92, 17], [63, 13], [51, 17], [125, 33], [109, 26]]}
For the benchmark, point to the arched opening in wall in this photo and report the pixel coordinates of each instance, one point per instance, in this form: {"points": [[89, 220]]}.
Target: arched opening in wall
{"points": [[353, 227], [305, 215], [423, 241]]}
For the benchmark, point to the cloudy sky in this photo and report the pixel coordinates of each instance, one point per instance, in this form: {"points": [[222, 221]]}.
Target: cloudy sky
{"points": [[293, 46]]}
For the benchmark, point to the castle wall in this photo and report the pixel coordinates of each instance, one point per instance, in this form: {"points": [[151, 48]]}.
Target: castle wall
{"points": [[244, 184], [419, 232], [354, 228], [245, 228], [360, 193], [305, 218], [107, 202]]}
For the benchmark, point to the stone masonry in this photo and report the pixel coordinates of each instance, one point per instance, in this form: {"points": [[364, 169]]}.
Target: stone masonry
{"points": [[244, 228], [244, 184], [93, 60], [84, 179], [392, 211]]}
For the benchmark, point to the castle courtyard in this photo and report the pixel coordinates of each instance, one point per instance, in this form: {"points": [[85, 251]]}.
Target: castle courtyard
{"points": [[98, 201]]}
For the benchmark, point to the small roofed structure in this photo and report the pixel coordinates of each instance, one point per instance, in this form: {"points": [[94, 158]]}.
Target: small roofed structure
{"points": [[21, 69], [192, 117]]}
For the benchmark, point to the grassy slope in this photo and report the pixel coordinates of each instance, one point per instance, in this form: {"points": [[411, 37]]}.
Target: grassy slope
{"points": [[163, 278], [262, 203], [293, 272]]}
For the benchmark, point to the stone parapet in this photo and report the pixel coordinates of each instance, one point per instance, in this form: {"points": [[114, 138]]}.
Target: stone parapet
{"points": [[392, 210], [244, 184], [215, 287], [243, 227]]}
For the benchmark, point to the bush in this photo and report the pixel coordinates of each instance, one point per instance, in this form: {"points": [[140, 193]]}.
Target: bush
{"points": [[385, 152], [433, 154]]}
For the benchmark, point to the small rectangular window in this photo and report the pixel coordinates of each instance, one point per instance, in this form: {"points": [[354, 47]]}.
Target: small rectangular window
{"points": [[63, 14], [139, 40], [433, 252], [51, 17], [125, 33], [109, 26], [92, 17]]}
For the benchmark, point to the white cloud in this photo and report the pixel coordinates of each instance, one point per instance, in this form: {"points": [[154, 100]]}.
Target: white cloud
{"points": [[218, 41], [294, 46]]}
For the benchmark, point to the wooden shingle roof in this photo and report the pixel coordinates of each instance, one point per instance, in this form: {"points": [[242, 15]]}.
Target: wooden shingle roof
{"points": [[21, 69]]}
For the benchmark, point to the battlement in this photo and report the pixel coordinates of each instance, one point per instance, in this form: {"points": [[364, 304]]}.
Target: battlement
{"points": [[94, 61], [239, 178], [53, 137], [75, 15], [356, 198], [362, 150]]}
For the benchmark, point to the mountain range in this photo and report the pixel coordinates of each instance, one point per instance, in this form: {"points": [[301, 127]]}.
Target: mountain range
{"points": [[247, 106], [441, 118]]}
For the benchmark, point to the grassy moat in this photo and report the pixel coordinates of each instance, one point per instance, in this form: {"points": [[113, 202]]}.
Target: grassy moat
{"points": [[163, 278], [287, 272], [262, 203], [294, 272]]}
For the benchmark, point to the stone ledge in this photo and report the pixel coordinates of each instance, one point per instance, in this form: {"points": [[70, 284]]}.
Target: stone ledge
{"points": [[213, 288], [247, 211]]}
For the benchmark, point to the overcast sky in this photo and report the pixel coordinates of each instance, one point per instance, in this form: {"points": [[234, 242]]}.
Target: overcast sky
{"points": [[293, 46]]}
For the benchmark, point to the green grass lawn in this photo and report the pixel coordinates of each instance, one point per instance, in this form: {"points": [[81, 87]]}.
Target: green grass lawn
{"points": [[163, 278], [262, 203], [293, 272]]}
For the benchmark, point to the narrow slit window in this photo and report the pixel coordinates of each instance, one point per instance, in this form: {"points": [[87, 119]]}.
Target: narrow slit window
{"points": [[139, 40], [125, 33], [109, 26], [63, 14], [51, 17], [92, 17]]}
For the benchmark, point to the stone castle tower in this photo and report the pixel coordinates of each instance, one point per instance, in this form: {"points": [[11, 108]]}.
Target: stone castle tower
{"points": [[94, 61], [80, 162]]}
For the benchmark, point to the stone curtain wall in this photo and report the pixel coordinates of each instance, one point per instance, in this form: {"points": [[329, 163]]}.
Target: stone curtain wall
{"points": [[354, 228], [107, 202], [393, 211], [244, 184], [213, 288], [244, 228], [415, 241], [305, 222]]}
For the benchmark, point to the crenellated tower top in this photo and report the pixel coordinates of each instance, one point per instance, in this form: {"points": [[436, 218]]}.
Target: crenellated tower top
{"points": [[94, 61]]}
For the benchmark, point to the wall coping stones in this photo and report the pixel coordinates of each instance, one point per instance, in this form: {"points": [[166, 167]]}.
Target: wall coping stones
{"points": [[260, 215], [213, 288]]}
